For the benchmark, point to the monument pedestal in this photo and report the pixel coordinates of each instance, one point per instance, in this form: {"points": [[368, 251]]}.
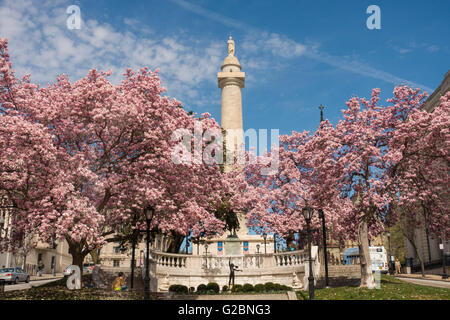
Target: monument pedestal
{"points": [[232, 246]]}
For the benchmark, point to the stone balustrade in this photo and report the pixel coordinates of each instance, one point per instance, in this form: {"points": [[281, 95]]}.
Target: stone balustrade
{"points": [[243, 262], [290, 258], [192, 270], [170, 260]]}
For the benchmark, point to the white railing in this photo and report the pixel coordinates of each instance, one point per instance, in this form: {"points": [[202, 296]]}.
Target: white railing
{"points": [[170, 259], [292, 258], [243, 262]]}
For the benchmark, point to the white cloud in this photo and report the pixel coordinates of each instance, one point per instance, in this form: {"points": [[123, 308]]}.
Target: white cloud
{"points": [[41, 44]]}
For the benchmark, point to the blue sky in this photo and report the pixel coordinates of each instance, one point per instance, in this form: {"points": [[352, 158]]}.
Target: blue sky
{"points": [[296, 54]]}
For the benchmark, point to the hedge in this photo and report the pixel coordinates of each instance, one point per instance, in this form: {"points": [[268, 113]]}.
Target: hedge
{"points": [[259, 287], [201, 288], [236, 288], [213, 287], [247, 287], [178, 288]]}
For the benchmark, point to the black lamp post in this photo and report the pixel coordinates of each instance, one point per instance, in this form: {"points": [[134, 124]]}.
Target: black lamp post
{"points": [[391, 267], [444, 267], [308, 213], [275, 243], [149, 212], [257, 252], [265, 238], [206, 256], [187, 245], [133, 252], [325, 255]]}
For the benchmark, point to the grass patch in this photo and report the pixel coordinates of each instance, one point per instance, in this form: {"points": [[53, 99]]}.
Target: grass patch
{"points": [[57, 290], [62, 293], [391, 289]]}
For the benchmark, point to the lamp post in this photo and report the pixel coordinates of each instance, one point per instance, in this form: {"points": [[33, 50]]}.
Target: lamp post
{"points": [[391, 269], [149, 212], [308, 213], [444, 267], [133, 252], [265, 238], [257, 252], [274, 243], [325, 255], [206, 256], [187, 245]]}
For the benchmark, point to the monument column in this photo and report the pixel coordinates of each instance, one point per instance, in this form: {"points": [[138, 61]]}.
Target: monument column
{"points": [[231, 81]]}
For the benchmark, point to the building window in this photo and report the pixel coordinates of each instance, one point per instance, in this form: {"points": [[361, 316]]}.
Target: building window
{"points": [[116, 250], [116, 263]]}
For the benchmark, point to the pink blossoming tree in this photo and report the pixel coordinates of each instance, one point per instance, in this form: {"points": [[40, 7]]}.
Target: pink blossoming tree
{"points": [[97, 153]]}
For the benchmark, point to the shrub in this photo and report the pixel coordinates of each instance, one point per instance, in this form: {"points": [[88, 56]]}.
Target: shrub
{"points": [[286, 288], [259, 287], [236, 288], [247, 287], [178, 288], [225, 288], [269, 286], [213, 287], [201, 288], [277, 287]]}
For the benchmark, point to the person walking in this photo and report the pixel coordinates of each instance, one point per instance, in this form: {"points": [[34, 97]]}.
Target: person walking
{"points": [[40, 268], [398, 266]]}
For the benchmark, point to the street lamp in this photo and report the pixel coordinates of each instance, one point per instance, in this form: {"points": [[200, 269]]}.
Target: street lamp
{"points": [[149, 212], [308, 213], [187, 245], [206, 256], [391, 268], [133, 251], [274, 243], [325, 255], [444, 267], [257, 252], [265, 238]]}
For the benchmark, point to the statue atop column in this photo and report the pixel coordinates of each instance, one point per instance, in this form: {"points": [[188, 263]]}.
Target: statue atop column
{"points": [[230, 47]]}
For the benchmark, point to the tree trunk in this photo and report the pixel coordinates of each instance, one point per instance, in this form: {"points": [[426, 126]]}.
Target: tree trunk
{"points": [[367, 280], [78, 255], [24, 262], [422, 265], [95, 257], [175, 243]]}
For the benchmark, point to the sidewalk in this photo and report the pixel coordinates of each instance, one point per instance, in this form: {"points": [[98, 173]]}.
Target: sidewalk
{"points": [[419, 276], [46, 276]]}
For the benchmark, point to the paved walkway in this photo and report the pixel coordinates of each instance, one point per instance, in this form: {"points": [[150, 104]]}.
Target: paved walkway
{"points": [[25, 286], [46, 276], [419, 276], [280, 296], [425, 281]]}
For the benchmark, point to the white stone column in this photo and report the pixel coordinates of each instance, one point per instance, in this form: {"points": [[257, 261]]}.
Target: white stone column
{"points": [[231, 80]]}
